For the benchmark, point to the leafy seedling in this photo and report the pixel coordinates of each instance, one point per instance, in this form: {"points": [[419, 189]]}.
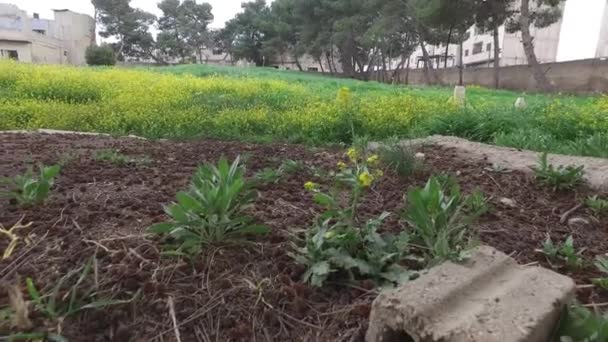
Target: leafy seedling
{"points": [[28, 190], [598, 205], [213, 210], [565, 252], [117, 158], [560, 177], [602, 265]]}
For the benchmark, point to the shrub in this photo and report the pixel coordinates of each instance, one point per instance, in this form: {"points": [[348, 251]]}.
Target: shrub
{"points": [[338, 245], [100, 55], [28, 190], [583, 325], [441, 217], [558, 178], [213, 210]]}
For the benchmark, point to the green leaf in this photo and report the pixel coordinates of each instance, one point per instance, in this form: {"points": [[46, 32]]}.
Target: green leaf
{"points": [[177, 213], [161, 228], [323, 199], [50, 172], [255, 229], [321, 268], [187, 202]]}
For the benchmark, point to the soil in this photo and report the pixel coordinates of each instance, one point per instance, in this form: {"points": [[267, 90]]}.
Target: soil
{"points": [[250, 292]]}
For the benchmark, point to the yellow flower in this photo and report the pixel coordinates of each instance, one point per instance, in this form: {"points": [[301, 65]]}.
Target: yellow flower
{"points": [[329, 235], [366, 179], [378, 173], [352, 154], [372, 160], [341, 165], [310, 186]]}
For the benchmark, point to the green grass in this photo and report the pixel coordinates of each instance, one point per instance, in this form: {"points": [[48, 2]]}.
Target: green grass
{"points": [[264, 104]]}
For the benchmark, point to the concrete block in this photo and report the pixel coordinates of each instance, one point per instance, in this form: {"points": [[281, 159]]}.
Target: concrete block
{"points": [[488, 298], [460, 95]]}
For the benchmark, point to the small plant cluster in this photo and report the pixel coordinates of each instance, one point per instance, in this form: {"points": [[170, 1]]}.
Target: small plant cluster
{"points": [[117, 158], [565, 252], [340, 246], [598, 205], [560, 177], [27, 189], [601, 264], [399, 158], [268, 175], [583, 325], [441, 217], [74, 292], [212, 210]]}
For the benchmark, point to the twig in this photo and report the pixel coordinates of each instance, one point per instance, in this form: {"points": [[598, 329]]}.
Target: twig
{"points": [[595, 305], [174, 319], [98, 245], [564, 217]]}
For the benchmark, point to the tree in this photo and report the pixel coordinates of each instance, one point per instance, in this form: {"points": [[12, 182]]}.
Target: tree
{"points": [[128, 25], [248, 31], [184, 28], [543, 14], [100, 55], [489, 16]]}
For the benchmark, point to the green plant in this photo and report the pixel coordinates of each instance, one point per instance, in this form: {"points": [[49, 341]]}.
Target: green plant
{"points": [[291, 166], [268, 175], [599, 206], [117, 158], [212, 210], [338, 245], [100, 55], [565, 252], [28, 190], [558, 178], [441, 217], [400, 158], [74, 292], [477, 203], [602, 265], [580, 324]]}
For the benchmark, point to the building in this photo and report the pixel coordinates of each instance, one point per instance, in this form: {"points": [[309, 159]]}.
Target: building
{"points": [[581, 33], [62, 40]]}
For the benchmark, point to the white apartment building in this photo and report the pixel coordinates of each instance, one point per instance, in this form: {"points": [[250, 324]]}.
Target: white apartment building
{"points": [[581, 33], [62, 40]]}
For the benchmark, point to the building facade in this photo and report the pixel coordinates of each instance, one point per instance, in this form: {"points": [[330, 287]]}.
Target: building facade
{"points": [[581, 33], [62, 40]]}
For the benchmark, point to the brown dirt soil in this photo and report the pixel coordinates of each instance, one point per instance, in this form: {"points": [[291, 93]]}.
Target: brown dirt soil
{"points": [[248, 292]]}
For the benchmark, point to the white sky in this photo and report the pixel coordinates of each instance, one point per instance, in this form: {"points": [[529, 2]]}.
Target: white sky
{"points": [[223, 10]]}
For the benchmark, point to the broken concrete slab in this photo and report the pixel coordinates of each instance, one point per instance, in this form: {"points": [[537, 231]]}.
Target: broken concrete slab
{"points": [[488, 298]]}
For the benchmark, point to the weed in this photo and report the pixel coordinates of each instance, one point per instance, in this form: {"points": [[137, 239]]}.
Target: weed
{"points": [[558, 178], [268, 175], [441, 217], [211, 211], [583, 325], [598, 205], [565, 252], [28, 190], [338, 245], [602, 265], [400, 158], [290, 166], [117, 158]]}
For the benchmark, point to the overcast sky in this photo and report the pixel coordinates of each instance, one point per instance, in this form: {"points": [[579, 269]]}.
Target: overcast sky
{"points": [[223, 10]]}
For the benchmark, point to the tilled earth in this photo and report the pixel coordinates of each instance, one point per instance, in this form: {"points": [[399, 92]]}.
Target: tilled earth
{"points": [[247, 292]]}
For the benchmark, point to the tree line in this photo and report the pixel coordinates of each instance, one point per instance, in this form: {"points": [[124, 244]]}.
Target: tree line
{"points": [[351, 36]]}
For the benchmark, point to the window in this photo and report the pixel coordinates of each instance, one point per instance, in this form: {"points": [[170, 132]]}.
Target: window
{"points": [[477, 48], [217, 51], [489, 47], [466, 53], [9, 54]]}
